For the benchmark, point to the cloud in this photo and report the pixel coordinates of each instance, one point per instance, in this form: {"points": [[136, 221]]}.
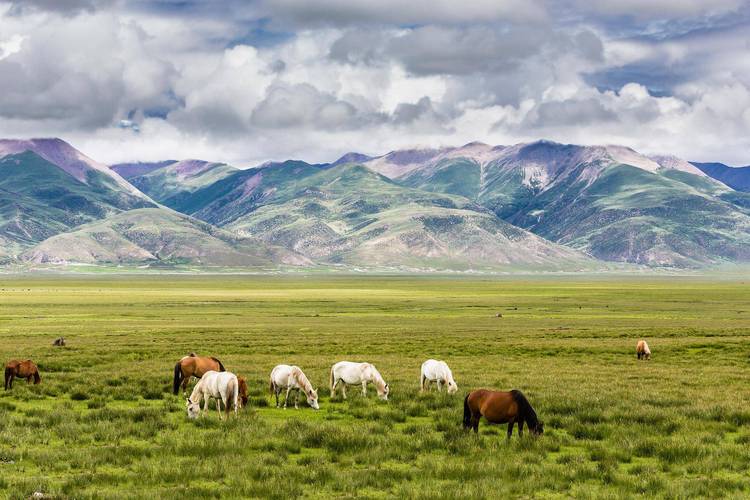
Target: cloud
{"points": [[65, 7], [301, 105], [250, 81], [327, 13]]}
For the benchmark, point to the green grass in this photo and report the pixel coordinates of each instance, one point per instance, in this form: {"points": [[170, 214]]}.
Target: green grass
{"points": [[104, 424]]}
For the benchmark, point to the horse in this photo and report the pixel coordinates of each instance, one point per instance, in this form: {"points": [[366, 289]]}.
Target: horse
{"points": [[222, 386], [193, 366], [21, 369], [499, 407], [59, 342], [438, 372], [642, 351], [358, 373], [292, 378]]}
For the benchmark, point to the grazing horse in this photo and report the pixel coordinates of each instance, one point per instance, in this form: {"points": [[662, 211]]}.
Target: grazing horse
{"points": [[193, 366], [500, 407], [59, 342], [357, 373], [292, 378], [222, 386], [21, 369], [642, 351], [242, 383], [438, 372]]}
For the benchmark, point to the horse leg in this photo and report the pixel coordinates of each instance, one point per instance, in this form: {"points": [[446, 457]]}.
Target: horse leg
{"points": [[520, 428], [333, 388], [475, 422], [343, 390], [10, 382], [218, 407], [276, 391], [364, 388], [510, 429], [439, 385], [286, 399], [296, 399], [185, 381]]}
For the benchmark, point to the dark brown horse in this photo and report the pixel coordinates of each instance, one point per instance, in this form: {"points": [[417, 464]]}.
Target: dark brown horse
{"points": [[193, 366], [499, 408], [21, 369]]}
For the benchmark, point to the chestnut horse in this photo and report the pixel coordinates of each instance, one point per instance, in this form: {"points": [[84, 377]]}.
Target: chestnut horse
{"points": [[193, 366], [500, 407], [22, 369]]}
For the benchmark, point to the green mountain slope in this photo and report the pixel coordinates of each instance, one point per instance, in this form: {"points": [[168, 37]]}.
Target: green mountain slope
{"points": [[174, 182], [38, 199], [351, 215], [609, 201], [157, 236]]}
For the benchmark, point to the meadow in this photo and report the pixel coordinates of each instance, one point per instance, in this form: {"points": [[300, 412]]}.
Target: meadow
{"points": [[104, 424]]}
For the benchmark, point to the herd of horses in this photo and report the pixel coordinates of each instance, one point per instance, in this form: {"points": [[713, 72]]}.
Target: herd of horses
{"points": [[229, 390]]}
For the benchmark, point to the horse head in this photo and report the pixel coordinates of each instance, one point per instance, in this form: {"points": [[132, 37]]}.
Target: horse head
{"points": [[538, 429], [312, 398], [383, 394], [452, 387], [193, 409]]}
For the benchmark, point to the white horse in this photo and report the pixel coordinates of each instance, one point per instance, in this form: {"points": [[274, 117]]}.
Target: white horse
{"points": [[292, 378], [222, 386], [357, 373], [438, 372]]}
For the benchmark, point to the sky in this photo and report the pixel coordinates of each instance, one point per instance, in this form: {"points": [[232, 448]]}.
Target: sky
{"points": [[250, 81]]}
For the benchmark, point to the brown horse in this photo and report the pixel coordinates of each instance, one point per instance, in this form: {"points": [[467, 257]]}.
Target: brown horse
{"points": [[499, 408], [242, 390], [21, 369], [193, 365]]}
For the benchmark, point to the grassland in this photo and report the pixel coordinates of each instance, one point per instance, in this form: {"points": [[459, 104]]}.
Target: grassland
{"points": [[104, 424]]}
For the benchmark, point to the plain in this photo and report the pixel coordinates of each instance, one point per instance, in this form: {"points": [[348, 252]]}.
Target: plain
{"points": [[103, 422]]}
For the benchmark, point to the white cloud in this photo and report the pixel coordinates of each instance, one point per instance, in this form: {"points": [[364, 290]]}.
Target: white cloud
{"points": [[152, 84]]}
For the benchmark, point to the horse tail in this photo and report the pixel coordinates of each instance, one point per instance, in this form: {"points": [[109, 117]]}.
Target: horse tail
{"points": [[8, 375], [271, 388], [177, 378], [467, 412], [221, 366], [233, 389], [524, 408], [37, 378], [331, 381]]}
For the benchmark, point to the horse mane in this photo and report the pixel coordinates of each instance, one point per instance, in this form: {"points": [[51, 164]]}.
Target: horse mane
{"points": [[221, 366], [378, 378], [301, 379], [527, 412]]}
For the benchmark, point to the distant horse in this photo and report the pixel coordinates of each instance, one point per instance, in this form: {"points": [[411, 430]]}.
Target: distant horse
{"points": [[357, 373], [292, 378], [222, 386], [59, 342], [500, 407], [642, 351], [438, 372], [193, 366], [21, 369]]}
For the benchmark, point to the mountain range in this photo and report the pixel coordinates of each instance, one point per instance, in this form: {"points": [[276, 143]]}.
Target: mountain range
{"points": [[534, 206]]}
